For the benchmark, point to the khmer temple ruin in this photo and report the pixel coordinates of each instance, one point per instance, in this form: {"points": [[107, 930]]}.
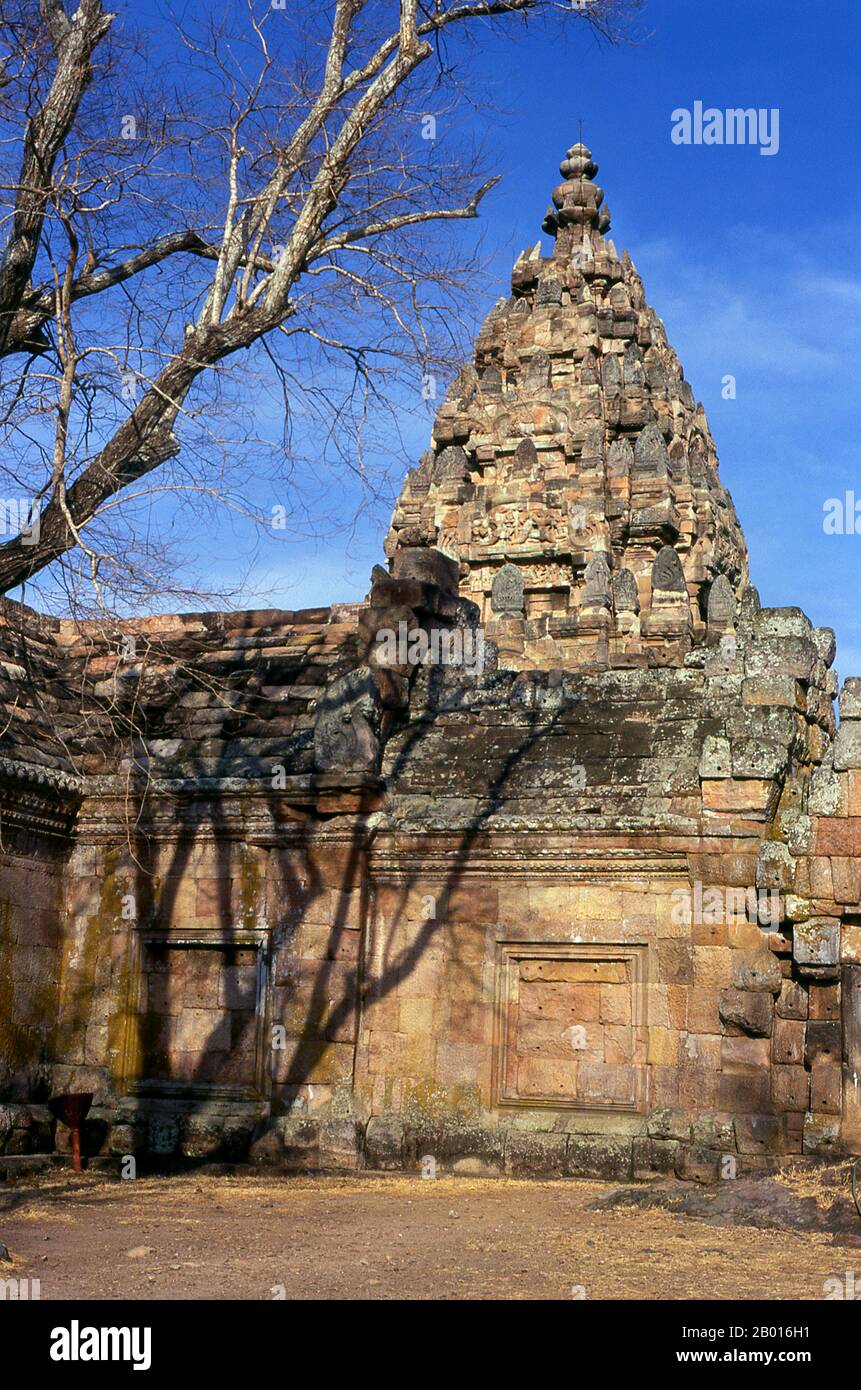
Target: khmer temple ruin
{"points": [[565, 882]]}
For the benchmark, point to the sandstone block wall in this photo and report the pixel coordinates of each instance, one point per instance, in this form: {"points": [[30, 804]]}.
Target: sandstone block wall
{"points": [[493, 953], [39, 795], [31, 890]]}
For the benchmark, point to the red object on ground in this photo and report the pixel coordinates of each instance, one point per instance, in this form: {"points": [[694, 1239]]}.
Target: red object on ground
{"points": [[72, 1110]]}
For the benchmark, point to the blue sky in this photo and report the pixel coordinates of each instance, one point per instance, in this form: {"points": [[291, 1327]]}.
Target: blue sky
{"points": [[750, 260]]}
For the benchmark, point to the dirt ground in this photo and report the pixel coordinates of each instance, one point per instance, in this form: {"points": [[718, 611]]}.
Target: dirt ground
{"points": [[376, 1237]]}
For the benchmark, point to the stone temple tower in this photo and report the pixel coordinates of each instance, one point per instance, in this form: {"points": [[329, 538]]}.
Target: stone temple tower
{"points": [[572, 473], [571, 886]]}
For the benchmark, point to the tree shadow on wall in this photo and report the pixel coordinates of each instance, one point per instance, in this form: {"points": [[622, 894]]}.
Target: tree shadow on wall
{"points": [[323, 994]]}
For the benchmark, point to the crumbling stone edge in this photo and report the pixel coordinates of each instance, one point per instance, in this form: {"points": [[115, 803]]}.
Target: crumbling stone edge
{"points": [[666, 1143]]}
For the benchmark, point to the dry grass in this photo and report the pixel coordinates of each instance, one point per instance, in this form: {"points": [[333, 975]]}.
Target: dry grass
{"points": [[825, 1186], [391, 1238]]}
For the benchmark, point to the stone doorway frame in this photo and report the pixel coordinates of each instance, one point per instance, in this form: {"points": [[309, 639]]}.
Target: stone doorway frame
{"points": [[133, 1085]]}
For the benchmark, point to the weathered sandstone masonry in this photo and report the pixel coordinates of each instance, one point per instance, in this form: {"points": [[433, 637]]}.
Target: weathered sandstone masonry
{"points": [[590, 905]]}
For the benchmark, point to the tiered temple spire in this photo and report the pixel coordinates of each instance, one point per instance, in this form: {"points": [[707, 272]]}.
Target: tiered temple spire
{"points": [[573, 453]]}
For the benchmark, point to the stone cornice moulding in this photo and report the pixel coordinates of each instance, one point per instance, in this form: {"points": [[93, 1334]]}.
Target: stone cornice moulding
{"points": [[50, 777], [553, 862]]}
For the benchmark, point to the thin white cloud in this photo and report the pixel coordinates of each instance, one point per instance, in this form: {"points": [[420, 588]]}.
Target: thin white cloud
{"points": [[846, 291]]}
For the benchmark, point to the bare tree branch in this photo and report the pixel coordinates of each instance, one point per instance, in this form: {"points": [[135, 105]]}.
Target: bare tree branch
{"points": [[74, 44], [276, 215]]}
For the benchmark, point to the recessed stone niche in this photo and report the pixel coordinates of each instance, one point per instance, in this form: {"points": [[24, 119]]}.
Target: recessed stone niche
{"points": [[571, 1026], [197, 1023]]}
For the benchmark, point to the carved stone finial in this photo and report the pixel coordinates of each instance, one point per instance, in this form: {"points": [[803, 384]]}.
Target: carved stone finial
{"points": [[721, 604], [748, 609], [451, 464], [347, 723], [578, 201], [506, 594], [596, 593], [625, 596], [667, 572], [650, 451], [720, 611], [620, 458], [525, 455]]}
